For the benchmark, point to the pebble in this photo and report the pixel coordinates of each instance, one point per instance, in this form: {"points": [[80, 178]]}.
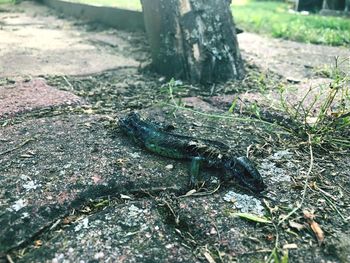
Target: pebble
{"points": [[169, 167]]}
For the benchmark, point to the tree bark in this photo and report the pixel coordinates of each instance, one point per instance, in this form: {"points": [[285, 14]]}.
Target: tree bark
{"points": [[309, 5], [194, 40]]}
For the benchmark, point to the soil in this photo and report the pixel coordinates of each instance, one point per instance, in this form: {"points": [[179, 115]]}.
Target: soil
{"points": [[73, 188]]}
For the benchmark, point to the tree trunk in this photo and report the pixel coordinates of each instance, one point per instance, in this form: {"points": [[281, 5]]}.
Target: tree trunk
{"points": [[193, 40], [309, 5], [347, 6], [339, 5]]}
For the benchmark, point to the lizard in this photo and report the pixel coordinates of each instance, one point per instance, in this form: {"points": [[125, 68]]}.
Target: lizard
{"points": [[201, 152]]}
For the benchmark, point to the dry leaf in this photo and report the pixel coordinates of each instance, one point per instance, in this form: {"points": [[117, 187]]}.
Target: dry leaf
{"points": [[125, 197], [314, 226], [38, 243], [318, 231], [270, 237], [69, 219], [309, 215]]}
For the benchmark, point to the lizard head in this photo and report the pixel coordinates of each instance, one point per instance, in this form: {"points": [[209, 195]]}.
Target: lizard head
{"points": [[246, 174], [130, 124]]}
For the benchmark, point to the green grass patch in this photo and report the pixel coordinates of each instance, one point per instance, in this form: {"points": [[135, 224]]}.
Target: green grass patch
{"points": [[6, 1], [325, 119], [273, 19]]}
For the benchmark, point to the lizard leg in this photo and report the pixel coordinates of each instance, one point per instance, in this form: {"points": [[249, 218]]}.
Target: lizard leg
{"points": [[195, 177]]}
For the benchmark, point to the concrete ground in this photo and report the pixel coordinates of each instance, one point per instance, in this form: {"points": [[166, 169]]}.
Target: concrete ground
{"points": [[74, 189]]}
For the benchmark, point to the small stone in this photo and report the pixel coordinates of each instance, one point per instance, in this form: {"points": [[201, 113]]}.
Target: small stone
{"points": [[169, 167], [290, 246], [19, 204], [99, 255], [213, 231], [169, 246], [293, 80]]}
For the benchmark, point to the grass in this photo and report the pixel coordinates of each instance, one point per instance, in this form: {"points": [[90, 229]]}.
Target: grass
{"points": [[273, 19], [328, 124], [320, 118], [5, 1]]}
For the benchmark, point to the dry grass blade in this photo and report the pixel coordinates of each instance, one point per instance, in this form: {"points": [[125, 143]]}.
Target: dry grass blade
{"points": [[17, 147], [208, 257], [252, 217]]}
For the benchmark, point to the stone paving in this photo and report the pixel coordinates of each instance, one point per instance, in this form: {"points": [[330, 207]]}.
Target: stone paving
{"points": [[29, 95], [72, 190]]}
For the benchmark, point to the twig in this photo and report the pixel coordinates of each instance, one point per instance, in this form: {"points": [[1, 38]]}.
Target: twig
{"points": [[17, 147], [176, 217], [331, 204], [202, 193], [69, 84], [217, 229], [9, 259], [305, 185], [154, 190], [325, 193], [255, 251]]}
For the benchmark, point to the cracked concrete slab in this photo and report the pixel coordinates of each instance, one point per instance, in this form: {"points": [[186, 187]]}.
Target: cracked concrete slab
{"points": [[37, 43], [32, 94], [133, 231], [293, 60], [50, 165]]}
